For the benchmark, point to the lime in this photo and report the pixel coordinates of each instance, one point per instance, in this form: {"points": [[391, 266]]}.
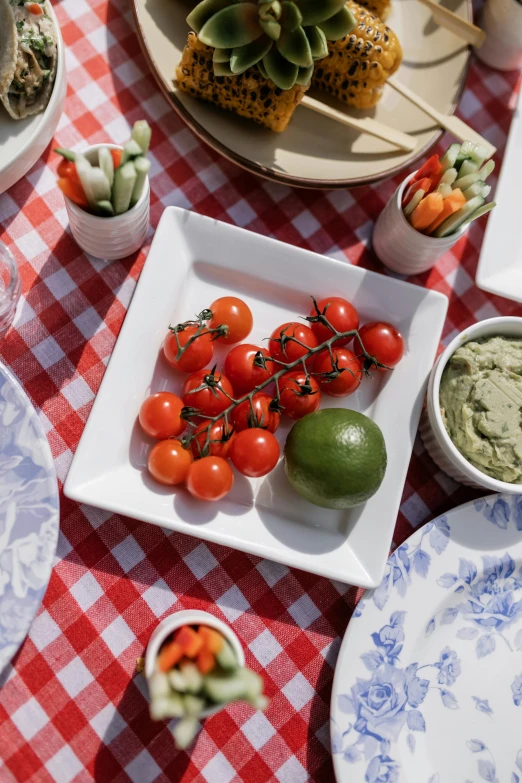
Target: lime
{"points": [[335, 458]]}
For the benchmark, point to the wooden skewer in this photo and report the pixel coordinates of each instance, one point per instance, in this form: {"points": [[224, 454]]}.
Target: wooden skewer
{"points": [[460, 27], [449, 122], [365, 124]]}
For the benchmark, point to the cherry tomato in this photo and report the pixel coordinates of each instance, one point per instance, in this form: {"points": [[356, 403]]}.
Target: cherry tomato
{"points": [[293, 399], [196, 356], [349, 379], [160, 415], [235, 314], [262, 416], [254, 452], [210, 478], [221, 438], [241, 371], [289, 351], [342, 315], [383, 342], [209, 401], [169, 462]]}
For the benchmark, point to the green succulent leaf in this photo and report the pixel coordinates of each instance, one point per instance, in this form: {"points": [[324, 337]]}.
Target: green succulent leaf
{"points": [[221, 55], [270, 10], [304, 76], [291, 16], [245, 57], [317, 41], [282, 72], [339, 25], [295, 48], [203, 11], [222, 69], [314, 12], [271, 28], [262, 70], [234, 26]]}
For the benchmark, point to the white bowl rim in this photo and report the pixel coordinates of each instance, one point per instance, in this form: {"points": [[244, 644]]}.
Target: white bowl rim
{"points": [[442, 241], [61, 73], [466, 336]]}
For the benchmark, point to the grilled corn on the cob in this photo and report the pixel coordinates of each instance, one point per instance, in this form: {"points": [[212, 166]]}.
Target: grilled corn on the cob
{"points": [[248, 94], [358, 66]]}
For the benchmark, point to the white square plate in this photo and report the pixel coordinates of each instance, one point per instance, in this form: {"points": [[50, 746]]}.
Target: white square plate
{"points": [[500, 265], [192, 261]]}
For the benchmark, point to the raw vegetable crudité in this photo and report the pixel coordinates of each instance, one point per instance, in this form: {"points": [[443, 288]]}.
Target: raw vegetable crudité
{"points": [[228, 418], [196, 670], [446, 194], [114, 183]]}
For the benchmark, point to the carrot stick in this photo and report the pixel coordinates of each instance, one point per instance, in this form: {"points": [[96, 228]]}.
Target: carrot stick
{"points": [[73, 190], [427, 211], [451, 204], [212, 640], [169, 656], [116, 157], [189, 640], [67, 169], [205, 661]]}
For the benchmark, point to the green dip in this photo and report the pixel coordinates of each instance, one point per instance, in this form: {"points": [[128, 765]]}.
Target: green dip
{"points": [[481, 401]]}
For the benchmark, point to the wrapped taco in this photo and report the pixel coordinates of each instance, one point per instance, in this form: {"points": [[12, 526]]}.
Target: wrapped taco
{"points": [[28, 56]]}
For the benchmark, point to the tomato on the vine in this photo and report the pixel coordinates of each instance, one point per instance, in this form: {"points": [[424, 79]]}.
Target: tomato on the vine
{"points": [[340, 313], [219, 440], [209, 478], [235, 315], [351, 372], [254, 452], [285, 350], [159, 415], [241, 370], [212, 398], [195, 357], [299, 395], [261, 416], [169, 461], [383, 342]]}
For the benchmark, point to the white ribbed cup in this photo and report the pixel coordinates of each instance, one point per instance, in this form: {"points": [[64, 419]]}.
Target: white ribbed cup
{"points": [[502, 23], [110, 238], [438, 443], [402, 248], [190, 617]]}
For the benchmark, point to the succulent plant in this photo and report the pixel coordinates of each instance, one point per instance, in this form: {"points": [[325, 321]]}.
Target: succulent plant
{"points": [[282, 37]]}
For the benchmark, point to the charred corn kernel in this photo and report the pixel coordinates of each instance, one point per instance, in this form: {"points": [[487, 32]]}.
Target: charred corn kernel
{"points": [[380, 8], [358, 66], [248, 94]]}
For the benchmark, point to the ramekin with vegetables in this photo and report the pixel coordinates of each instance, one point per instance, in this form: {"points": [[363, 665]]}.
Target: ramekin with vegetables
{"points": [[107, 194], [195, 666], [433, 208]]}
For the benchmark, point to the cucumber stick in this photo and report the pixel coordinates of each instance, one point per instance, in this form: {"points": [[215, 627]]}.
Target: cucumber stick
{"points": [[460, 217], [226, 657], [474, 190], [450, 158], [104, 209], [141, 133], [106, 164], [487, 169], [124, 180], [131, 150], [483, 210], [449, 177], [414, 203], [468, 167], [465, 182], [142, 166], [445, 190]]}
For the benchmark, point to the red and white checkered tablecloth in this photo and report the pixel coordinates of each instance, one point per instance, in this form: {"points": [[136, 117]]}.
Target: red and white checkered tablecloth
{"points": [[72, 707]]}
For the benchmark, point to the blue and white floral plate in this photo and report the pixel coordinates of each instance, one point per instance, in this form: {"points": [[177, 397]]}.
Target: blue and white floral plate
{"points": [[29, 516], [428, 686]]}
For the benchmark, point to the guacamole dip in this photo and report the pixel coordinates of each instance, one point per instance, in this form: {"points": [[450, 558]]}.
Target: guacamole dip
{"points": [[481, 401]]}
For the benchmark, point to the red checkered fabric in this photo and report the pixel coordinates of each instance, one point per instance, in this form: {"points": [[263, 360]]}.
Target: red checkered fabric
{"points": [[72, 707]]}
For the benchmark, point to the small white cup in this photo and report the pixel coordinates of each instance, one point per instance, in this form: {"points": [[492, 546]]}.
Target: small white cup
{"points": [[438, 443], [110, 238], [502, 23], [402, 248], [190, 617]]}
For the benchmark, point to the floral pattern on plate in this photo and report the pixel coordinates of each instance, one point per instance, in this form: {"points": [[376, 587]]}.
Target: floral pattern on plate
{"points": [[28, 515], [432, 662]]}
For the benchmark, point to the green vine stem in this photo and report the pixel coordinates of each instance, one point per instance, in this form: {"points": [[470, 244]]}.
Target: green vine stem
{"points": [[200, 323], [211, 381]]}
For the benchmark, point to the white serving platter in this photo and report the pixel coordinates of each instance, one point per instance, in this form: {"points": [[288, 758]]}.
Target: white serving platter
{"points": [[500, 265], [22, 142], [192, 261]]}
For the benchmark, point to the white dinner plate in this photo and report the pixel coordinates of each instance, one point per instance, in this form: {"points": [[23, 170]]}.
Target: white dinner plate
{"points": [[29, 516], [22, 142], [192, 261], [500, 264], [428, 685]]}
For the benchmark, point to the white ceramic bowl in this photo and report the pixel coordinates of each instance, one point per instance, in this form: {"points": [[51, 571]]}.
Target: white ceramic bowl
{"points": [[114, 237], [22, 142], [402, 248], [434, 434], [189, 617]]}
